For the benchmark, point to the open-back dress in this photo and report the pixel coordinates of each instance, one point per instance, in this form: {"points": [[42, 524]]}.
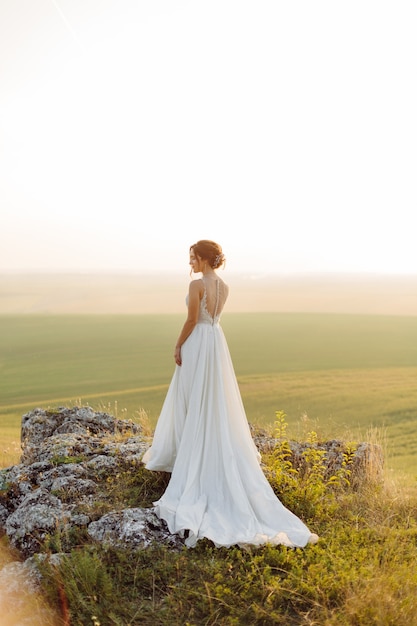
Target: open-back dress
{"points": [[217, 488]]}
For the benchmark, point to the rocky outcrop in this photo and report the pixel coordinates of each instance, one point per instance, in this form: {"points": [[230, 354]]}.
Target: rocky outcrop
{"points": [[69, 454], [365, 461], [66, 456], [131, 528]]}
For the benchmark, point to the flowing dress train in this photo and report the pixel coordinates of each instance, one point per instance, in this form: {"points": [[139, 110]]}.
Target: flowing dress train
{"points": [[217, 488]]}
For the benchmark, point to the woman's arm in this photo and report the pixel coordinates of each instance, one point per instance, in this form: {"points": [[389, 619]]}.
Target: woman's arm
{"points": [[194, 297]]}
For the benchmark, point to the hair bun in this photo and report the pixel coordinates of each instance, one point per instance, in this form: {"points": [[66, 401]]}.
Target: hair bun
{"points": [[209, 251], [218, 260]]}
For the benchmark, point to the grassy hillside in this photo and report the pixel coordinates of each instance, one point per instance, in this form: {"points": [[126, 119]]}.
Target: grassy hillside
{"points": [[360, 573], [344, 374]]}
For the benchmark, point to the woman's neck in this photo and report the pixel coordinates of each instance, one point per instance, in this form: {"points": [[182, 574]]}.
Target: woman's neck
{"points": [[209, 273]]}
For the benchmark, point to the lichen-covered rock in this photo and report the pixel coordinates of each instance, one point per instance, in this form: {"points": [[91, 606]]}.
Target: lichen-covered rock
{"points": [[131, 450], [365, 460], [132, 528], [73, 487], [71, 455], [47, 477], [66, 452], [101, 463], [21, 480], [39, 514], [4, 514], [70, 432]]}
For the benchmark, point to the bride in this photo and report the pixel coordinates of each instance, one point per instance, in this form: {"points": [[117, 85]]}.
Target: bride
{"points": [[217, 488]]}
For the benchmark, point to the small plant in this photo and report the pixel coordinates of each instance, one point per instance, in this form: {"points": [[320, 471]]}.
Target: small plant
{"points": [[285, 475], [133, 485], [341, 478], [4, 485], [66, 460], [305, 487], [142, 418], [361, 573]]}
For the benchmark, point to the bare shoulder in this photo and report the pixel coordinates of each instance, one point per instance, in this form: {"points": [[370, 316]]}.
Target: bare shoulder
{"points": [[224, 285], [196, 286]]}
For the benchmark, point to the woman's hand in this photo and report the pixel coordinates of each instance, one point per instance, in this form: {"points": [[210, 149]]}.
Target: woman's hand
{"points": [[177, 355]]}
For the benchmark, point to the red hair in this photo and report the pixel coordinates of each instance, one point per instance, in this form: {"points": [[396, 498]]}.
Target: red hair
{"points": [[209, 251]]}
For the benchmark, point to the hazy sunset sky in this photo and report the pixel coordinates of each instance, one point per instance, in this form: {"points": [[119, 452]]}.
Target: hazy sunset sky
{"points": [[286, 130]]}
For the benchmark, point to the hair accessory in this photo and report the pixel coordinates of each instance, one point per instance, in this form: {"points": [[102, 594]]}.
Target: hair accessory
{"points": [[218, 260]]}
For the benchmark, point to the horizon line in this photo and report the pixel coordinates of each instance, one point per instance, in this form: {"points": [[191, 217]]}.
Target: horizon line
{"points": [[179, 273]]}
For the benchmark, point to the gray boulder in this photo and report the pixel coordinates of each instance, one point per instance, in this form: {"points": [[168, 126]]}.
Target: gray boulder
{"points": [[69, 454], [365, 460], [40, 513], [132, 528], [70, 432]]}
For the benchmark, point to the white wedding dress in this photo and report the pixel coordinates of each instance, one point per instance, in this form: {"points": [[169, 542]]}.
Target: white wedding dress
{"points": [[217, 488]]}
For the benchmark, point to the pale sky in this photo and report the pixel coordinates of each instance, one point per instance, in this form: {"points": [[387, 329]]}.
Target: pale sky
{"points": [[285, 130]]}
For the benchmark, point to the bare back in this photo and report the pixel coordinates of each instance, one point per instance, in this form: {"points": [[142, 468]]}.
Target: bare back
{"points": [[215, 296]]}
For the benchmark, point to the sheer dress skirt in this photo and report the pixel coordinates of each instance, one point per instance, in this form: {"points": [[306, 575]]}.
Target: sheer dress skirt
{"points": [[217, 488]]}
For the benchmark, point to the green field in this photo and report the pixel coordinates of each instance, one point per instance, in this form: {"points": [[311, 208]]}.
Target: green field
{"points": [[349, 376]]}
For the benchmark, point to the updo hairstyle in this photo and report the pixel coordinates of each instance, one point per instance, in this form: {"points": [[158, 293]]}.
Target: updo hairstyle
{"points": [[209, 251]]}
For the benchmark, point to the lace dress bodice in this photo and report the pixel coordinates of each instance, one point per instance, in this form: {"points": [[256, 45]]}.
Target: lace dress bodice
{"points": [[213, 301]]}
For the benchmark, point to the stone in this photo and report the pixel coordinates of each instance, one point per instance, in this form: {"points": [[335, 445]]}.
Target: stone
{"points": [[68, 455], [366, 459], [73, 487], [74, 430], [4, 514], [65, 454], [133, 528], [39, 514]]}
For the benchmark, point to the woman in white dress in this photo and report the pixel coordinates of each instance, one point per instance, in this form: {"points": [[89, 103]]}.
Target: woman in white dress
{"points": [[217, 488]]}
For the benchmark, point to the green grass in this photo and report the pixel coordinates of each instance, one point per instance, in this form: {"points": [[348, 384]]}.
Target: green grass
{"points": [[335, 374], [343, 373], [361, 572]]}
